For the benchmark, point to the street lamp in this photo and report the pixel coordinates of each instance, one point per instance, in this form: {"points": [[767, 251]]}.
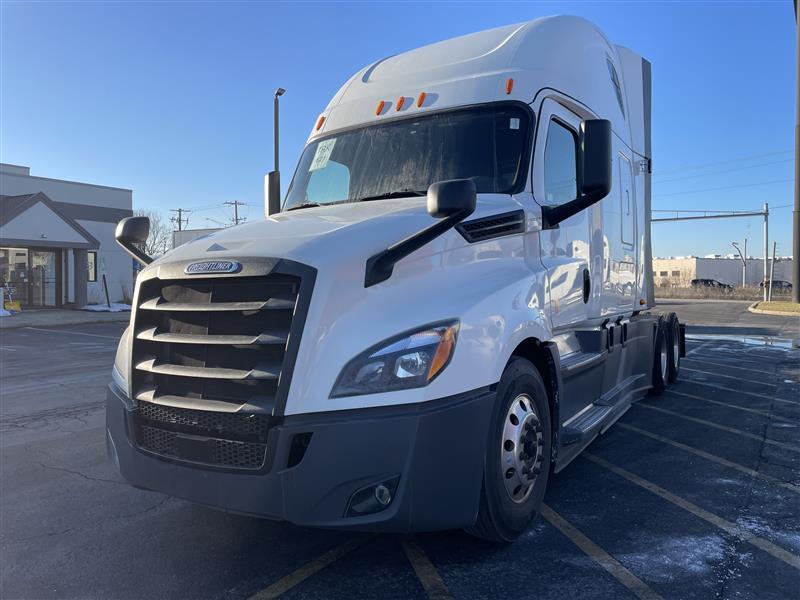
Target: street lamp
{"points": [[744, 263]]}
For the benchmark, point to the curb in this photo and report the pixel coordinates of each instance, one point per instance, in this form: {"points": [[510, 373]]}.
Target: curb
{"points": [[7, 323], [778, 313]]}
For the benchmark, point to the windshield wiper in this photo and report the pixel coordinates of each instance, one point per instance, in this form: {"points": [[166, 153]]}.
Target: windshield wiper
{"points": [[387, 195], [304, 205]]}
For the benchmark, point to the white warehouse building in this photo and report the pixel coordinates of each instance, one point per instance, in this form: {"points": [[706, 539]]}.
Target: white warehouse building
{"points": [[57, 240], [680, 271]]}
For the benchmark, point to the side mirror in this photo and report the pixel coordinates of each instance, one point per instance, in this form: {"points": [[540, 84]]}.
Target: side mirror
{"points": [[272, 192], [131, 231], [594, 172], [446, 198], [451, 201]]}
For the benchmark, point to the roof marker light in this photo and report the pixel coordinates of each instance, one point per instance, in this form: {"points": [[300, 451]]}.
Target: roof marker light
{"points": [[509, 85], [320, 121], [420, 99], [400, 101], [379, 110]]}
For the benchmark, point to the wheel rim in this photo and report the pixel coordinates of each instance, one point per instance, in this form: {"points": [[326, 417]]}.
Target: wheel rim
{"points": [[676, 348], [521, 448], [664, 359]]}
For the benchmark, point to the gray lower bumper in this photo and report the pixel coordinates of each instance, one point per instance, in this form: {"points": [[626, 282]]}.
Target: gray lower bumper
{"points": [[436, 448]]}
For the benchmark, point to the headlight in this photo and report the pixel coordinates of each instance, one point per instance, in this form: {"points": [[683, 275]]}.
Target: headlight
{"points": [[119, 373], [407, 361]]}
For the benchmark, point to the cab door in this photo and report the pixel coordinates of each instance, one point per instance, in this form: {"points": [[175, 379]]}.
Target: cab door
{"points": [[566, 250]]}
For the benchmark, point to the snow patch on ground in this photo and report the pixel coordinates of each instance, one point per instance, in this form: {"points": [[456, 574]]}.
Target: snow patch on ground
{"points": [[115, 307], [670, 559]]}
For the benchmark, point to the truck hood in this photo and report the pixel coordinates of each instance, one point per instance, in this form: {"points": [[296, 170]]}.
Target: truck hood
{"points": [[327, 235], [314, 236]]}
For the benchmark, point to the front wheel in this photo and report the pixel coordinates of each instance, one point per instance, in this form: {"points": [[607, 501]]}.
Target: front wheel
{"points": [[517, 462]]}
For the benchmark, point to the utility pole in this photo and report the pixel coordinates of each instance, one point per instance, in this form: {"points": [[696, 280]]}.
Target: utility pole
{"points": [[179, 220], [796, 212], [766, 246], [235, 204]]}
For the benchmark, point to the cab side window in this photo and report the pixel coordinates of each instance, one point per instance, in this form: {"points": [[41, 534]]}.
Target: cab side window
{"points": [[560, 164]]}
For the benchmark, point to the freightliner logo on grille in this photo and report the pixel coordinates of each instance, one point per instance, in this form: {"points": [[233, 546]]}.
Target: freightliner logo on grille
{"points": [[212, 266]]}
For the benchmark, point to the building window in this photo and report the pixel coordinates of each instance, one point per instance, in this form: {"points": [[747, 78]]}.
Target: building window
{"points": [[676, 273], [560, 165], [664, 273], [91, 265]]}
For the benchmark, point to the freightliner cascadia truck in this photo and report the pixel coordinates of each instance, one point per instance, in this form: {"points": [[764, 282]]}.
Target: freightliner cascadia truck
{"points": [[451, 301]]}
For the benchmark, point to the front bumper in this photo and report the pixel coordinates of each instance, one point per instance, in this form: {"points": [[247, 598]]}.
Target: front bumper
{"points": [[436, 448]]}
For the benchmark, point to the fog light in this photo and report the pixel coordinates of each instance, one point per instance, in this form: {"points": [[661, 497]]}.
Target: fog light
{"points": [[372, 498]]}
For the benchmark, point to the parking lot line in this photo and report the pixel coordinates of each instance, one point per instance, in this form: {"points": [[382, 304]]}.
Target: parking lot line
{"points": [[600, 556], [109, 337], [730, 528], [717, 364], [712, 457], [283, 585], [756, 411], [426, 573], [727, 389], [728, 377], [751, 436]]}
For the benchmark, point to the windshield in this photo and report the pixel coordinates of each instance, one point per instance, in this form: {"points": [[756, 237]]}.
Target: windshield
{"points": [[404, 157]]}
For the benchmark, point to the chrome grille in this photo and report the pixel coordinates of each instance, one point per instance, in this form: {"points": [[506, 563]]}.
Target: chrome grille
{"points": [[208, 356]]}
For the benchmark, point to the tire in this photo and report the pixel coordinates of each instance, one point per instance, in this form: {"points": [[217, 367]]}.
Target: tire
{"points": [[660, 359], [673, 346], [510, 497]]}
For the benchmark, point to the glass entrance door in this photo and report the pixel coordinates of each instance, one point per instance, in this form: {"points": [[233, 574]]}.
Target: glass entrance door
{"points": [[44, 278], [14, 273]]}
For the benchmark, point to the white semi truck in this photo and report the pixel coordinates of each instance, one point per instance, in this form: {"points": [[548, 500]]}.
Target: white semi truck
{"points": [[453, 300]]}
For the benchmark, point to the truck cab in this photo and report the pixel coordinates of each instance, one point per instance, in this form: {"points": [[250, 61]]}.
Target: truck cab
{"points": [[454, 299]]}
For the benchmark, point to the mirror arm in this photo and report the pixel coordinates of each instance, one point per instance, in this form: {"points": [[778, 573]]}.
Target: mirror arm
{"points": [[381, 265], [136, 253], [553, 215]]}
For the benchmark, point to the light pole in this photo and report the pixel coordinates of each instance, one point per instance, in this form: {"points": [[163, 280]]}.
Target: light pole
{"points": [[796, 212], [744, 263]]}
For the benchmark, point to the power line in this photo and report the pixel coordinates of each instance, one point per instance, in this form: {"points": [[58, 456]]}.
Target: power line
{"points": [[712, 173], [721, 162], [725, 187]]}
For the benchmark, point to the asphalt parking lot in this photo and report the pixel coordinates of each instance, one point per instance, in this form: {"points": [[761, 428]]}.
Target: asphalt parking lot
{"points": [[692, 495]]}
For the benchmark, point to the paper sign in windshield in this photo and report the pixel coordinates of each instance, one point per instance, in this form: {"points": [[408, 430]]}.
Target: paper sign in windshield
{"points": [[322, 155]]}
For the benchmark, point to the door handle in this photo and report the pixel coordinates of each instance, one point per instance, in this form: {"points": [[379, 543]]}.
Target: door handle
{"points": [[587, 286]]}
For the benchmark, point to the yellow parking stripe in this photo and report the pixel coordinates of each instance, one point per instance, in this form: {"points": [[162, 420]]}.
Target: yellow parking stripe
{"points": [[683, 368], [711, 457], [600, 556], [739, 432], [756, 411], [426, 573], [294, 578], [730, 528]]}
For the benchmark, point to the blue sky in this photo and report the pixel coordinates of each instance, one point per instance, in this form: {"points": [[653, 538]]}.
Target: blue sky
{"points": [[173, 100]]}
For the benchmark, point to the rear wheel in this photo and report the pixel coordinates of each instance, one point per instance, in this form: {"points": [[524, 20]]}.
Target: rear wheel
{"points": [[673, 346], [660, 359], [517, 462]]}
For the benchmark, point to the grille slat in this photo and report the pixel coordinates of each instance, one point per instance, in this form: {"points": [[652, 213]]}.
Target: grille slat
{"points": [[162, 305], [207, 356], [264, 338], [260, 371]]}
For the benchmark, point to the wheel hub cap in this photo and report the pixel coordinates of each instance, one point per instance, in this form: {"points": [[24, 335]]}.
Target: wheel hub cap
{"points": [[521, 452]]}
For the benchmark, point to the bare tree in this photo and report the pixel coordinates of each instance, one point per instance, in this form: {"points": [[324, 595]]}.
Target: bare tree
{"points": [[160, 238]]}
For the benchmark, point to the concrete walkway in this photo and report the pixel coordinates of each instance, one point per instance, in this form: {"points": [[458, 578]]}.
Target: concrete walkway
{"points": [[56, 316]]}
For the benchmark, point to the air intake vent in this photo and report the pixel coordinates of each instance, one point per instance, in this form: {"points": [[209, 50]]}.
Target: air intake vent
{"points": [[492, 227]]}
